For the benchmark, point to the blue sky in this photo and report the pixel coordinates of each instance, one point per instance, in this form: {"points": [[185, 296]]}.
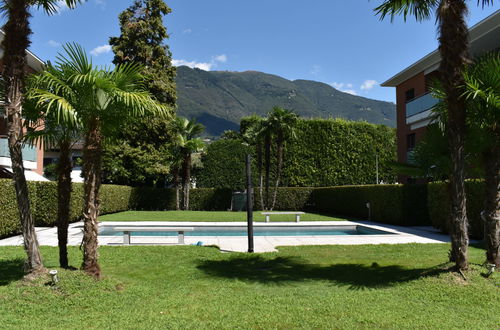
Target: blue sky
{"points": [[341, 43]]}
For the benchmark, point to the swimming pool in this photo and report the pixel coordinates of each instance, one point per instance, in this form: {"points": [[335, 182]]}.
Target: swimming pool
{"points": [[309, 230]]}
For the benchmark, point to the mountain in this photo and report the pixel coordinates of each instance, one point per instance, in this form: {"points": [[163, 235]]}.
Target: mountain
{"points": [[219, 99]]}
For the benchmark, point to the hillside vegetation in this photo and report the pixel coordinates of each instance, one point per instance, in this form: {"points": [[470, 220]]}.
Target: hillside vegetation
{"points": [[219, 99]]}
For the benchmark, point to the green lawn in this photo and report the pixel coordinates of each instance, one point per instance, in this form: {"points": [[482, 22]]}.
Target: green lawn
{"points": [[206, 216], [377, 286]]}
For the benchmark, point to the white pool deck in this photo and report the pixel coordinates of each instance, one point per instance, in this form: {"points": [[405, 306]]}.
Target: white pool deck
{"points": [[400, 235]]}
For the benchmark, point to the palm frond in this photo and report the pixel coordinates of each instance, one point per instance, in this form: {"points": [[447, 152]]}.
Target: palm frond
{"points": [[53, 6], [420, 9]]}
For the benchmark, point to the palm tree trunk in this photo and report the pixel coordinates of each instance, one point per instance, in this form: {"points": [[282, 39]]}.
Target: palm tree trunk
{"points": [[187, 180], [453, 47], [15, 42], [63, 200], [177, 188], [491, 213], [261, 178], [279, 161], [92, 182], [268, 167]]}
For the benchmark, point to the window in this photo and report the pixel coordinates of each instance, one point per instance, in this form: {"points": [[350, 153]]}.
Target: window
{"points": [[410, 94], [410, 142]]}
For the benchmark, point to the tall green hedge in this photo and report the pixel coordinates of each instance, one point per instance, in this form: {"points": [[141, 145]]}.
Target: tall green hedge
{"points": [[404, 205], [439, 206], [335, 152], [223, 165]]}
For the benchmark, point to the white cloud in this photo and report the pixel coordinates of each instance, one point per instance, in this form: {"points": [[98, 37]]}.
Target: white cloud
{"points": [[193, 64], [340, 86], [316, 69], [221, 58], [187, 31], [344, 87], [368, 84], [100, 3], [100, 50], [207, 66], [53, 43], [350, 91]]}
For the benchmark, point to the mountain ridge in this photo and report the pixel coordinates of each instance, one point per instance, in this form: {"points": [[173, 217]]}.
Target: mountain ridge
{"points": [[219, 99]]}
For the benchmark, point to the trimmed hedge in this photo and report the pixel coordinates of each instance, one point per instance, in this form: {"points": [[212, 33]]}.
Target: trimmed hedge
{"points": [[404, 205], [43, 198], [289, 199], [439, 206], [223, 165], [335, 152]]}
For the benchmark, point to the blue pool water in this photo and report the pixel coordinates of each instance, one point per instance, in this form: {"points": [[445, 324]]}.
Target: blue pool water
{"points": [[258, 231]]}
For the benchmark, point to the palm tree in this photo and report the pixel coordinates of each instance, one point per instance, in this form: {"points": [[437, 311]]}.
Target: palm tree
{"points": [[482, 91], [454, 50], [253, 135], [62, 137], [16, 41], [101, 100], [282, 123], [185, 132]]}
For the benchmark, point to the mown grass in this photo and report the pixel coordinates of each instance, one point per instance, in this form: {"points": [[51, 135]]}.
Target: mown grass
{"points": [[371, 286], [203, 216]]}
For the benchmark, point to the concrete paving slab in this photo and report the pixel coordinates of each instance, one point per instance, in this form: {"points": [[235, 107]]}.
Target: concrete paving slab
{"points": [[397, 235]]}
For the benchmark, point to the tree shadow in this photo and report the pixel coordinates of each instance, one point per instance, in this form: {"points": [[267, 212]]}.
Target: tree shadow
{"points": [[281, 270], [11, 270]]}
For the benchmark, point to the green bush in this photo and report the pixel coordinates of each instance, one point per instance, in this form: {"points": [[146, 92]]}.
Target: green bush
{"points": [[114, 198], [9, 216], [439, 206], [404, 205], [224, 165], [205, 199], [288, 198], [334, 152], [147, 198]]}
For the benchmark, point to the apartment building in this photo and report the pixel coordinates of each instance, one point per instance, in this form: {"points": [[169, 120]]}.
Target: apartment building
{"points": [[32, 155], [413, 100]]}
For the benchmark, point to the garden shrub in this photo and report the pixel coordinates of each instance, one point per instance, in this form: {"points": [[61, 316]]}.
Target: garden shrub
{"points": [[147, 198], [206, 199], [288, 198], [439, 206], [403, 205], [9, 216], [334, 152], [224, 165]]}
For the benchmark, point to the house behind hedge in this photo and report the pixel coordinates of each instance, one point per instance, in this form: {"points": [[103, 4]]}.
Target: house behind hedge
{"points": [[32, 155]]}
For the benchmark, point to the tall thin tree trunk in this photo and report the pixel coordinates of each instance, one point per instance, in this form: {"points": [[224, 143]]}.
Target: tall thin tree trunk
{"points": [[92, 170], [491, 213], [453, 47], [176, 185], [261, 178], [187, 180], [64, 168], [16, 41], [279, 161], [267, 155]]}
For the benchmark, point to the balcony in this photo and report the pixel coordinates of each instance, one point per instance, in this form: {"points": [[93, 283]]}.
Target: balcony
{"points": [[418, 110], [420, 104], [29, 152]]}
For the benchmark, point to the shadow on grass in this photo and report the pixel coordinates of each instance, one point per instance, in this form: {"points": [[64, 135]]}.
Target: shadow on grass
{"points": [[285, 270], [11, 270]]}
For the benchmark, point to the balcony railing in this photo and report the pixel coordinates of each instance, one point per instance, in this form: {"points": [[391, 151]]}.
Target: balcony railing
{"points": [[420, 104], [29, 152]]}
